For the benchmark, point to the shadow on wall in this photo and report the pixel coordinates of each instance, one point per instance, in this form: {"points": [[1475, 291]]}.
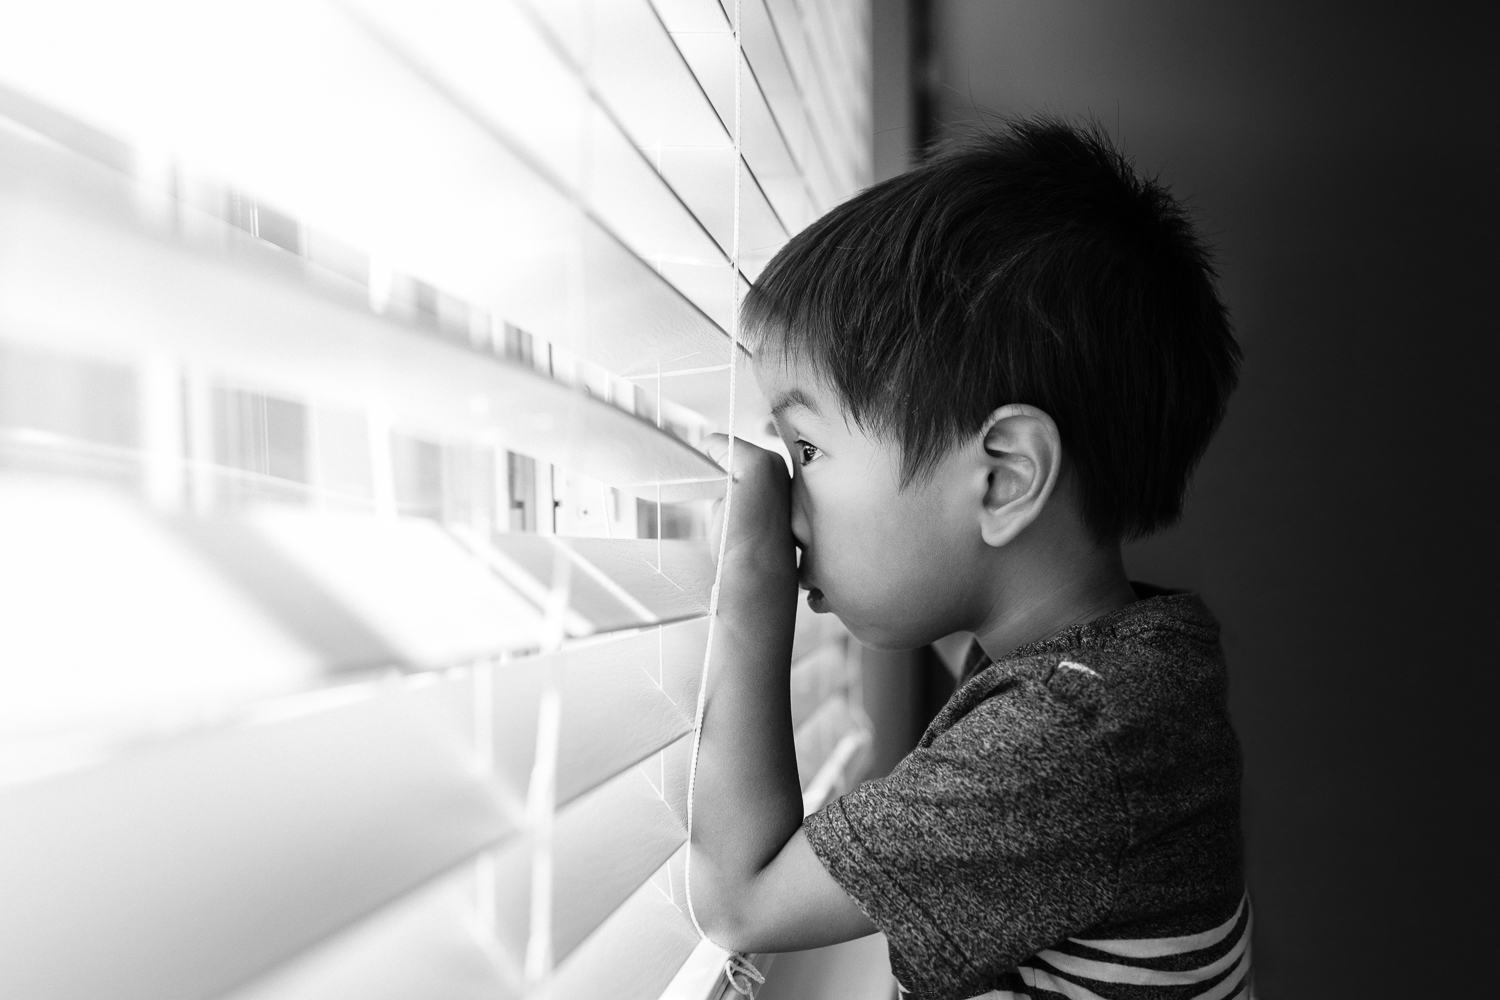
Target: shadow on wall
{"points": [[1344, 163]]}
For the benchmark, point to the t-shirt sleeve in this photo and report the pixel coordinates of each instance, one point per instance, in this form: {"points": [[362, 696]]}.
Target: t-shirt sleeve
{"points": [[998, 838]]}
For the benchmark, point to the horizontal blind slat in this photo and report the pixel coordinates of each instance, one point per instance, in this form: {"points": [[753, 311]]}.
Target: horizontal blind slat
{"points": [[167, 638], [388, 591], [420, 948], [711, 55], [700, 974], [606, 844], [707, 392], [640, 947], [80, 268], [608, 841], [813, 82], [792, 106], [693, 16], [705, 179], [640, 74], [616, 583], [678, 587], [227, 852], [764, 54], [636, 71], [622, 701]]}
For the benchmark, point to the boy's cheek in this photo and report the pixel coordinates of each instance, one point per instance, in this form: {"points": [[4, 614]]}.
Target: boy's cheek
{"points": [[895, 591], [874, 600]]}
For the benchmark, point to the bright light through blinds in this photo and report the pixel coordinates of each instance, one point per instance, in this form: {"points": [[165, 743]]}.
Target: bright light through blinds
{"points": [[352, 359]]}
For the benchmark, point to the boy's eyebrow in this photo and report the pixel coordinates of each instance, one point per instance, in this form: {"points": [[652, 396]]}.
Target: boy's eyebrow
{"points": [[792, 397]]}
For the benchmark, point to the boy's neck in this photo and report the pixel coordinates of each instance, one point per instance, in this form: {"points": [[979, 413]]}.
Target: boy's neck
{"points": [[1040, 593]]}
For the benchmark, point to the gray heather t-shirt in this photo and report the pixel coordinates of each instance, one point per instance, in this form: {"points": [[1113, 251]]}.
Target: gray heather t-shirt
{"points": [[1070, 816]]}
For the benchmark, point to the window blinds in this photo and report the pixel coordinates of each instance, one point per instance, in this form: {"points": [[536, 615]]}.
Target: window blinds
{"points": [[352, 356]]}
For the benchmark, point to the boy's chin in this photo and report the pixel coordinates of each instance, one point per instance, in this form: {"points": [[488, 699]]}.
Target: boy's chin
{"points": [[873, 631], [874, 635]]}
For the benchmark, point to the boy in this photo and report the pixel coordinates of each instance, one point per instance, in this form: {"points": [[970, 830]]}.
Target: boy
{"points": [[989, 371]]}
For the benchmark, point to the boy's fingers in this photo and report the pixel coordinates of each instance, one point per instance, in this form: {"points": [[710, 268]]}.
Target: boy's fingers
{"points": [[750, 461], [716, 447]]}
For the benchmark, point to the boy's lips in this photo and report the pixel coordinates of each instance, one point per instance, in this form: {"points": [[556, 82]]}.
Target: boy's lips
{"points": [[815, 599]]}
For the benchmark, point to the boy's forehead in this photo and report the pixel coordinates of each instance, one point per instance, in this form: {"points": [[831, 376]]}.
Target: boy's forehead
{"points": [[788, 383]]}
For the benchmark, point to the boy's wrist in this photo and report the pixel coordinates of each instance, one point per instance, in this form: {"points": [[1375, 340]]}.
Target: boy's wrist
{"points": [[758, 564], [758, 592]]}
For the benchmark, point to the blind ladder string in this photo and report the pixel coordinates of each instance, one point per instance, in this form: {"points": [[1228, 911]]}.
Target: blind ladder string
{"points": [[738, 970]]}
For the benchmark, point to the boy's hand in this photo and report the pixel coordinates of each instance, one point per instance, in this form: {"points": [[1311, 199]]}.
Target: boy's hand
{"points": [[760, 533]]}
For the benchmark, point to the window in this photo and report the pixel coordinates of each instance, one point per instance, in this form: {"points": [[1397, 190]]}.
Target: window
{"points": [[352, 357]]}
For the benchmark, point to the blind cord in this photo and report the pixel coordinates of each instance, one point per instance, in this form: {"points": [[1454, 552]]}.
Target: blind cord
{"points": [[738, 970]]}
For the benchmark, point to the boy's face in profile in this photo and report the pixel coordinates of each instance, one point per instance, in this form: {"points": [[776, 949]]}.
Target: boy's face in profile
{"points": [[899, 566]]}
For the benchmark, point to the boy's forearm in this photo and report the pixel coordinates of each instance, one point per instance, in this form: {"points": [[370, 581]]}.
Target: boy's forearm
{"points": [[747, 801]]}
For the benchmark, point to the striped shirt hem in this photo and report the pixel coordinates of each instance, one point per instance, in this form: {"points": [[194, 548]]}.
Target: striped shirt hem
{"points": [[1212, 965]]}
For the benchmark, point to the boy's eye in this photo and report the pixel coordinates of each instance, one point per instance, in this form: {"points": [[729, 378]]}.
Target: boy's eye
{"points": [[806, 452]]}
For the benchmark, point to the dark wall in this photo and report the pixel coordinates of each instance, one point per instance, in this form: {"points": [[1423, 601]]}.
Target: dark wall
{"points": [[891, 85], [1343, 159]]}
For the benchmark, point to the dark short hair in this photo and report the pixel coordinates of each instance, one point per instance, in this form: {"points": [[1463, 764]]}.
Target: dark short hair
{"points": [[1030, 264]]}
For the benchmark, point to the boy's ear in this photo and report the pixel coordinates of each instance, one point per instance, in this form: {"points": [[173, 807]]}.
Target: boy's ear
{"points": [[1023, 459]]}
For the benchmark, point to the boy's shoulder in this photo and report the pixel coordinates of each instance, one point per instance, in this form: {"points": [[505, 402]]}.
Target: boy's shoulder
{"points": [[1157, 660]]}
